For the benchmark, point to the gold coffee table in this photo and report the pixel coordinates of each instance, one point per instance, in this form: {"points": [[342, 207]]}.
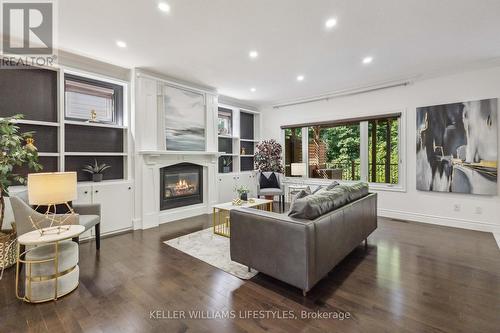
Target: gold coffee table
{"points": [[221, 214]]}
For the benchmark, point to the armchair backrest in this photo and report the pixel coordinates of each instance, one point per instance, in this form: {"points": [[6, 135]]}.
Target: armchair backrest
{"points": [[24, 214], [279, 176]]}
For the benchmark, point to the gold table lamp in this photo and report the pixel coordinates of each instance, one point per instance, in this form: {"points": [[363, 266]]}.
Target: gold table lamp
{"points": [[51, 189]]}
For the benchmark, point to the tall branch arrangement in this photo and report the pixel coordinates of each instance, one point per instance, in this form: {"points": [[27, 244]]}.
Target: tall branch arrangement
{"points": [[16, 149], [268, 156]]}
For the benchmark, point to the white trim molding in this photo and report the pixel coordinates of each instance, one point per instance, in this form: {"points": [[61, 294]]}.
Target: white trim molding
{"points": [[439, 220]]}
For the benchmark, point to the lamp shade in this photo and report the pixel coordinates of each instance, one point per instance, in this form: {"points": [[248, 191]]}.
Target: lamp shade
{"points": [[51, 188], [298, 169]]}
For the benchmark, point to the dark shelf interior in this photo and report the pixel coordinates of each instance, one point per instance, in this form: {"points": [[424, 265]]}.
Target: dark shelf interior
{"points": [[118, 94], [221, 164], [76, 163], [31, 92], [248, 146], [50, 164], [247, 163], [45, 136], [93, 139], [226, 145], [246, 126]]}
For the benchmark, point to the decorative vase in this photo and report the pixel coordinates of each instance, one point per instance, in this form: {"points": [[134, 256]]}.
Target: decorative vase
{"points": [[244, 196], [97, 177]]}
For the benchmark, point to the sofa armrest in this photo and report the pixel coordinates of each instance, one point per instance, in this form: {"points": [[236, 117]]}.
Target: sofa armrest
{"points": [[273, 244], [87, 209]]}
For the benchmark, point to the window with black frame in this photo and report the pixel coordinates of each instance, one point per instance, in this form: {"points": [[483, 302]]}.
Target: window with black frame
{"points": [[293, 150], [334, 149]]}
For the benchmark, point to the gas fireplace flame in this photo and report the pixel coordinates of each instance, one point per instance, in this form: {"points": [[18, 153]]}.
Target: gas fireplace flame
{"points": [[182, 185]]}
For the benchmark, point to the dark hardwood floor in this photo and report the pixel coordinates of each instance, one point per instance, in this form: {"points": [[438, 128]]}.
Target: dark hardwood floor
{"points": [[413, 278]]}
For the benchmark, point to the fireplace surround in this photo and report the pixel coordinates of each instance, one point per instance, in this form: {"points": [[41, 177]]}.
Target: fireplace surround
{"points": [[181, 185]]}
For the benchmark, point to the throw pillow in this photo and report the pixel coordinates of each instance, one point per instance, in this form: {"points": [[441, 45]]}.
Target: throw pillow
{"points": [[271, 182]]}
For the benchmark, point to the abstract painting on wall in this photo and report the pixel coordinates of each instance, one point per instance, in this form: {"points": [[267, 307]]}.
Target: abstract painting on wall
{"points": [[184, 119], [457, 147]]}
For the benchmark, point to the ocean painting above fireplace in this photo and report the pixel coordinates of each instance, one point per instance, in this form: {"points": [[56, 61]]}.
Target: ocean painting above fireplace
{"points": [[181, 185]]}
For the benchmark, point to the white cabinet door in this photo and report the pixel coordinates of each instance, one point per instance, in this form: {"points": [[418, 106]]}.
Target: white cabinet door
{"points": [[226, 184], [84, 194], [116, 205], [248, 179]]}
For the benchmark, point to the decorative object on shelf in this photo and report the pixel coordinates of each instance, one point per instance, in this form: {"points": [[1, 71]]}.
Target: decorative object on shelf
{"points": [[184, 117], [457, 147], [225, 120], [242, 191], [268, 156], [251, 200], [93, 116], [243, 151], [226, 162], [51, 189], [96, 170], [298, 169], [237, 202], [16, 149]]}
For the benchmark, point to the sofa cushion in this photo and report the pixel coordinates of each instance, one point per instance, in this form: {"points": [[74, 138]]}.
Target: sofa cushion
{"points": [[325, 201]]}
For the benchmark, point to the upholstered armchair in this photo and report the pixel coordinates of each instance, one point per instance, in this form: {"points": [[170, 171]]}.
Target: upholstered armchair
{"points": [[280, 192], [87, 215]]}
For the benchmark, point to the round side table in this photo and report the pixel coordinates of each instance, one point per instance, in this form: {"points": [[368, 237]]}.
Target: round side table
{"points": [[51, 261]]}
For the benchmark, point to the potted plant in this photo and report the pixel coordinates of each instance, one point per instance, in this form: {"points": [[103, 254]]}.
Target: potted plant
{"points": [[16, 149], [268, 156], [96, 170], [242, 191], [226, 162]]}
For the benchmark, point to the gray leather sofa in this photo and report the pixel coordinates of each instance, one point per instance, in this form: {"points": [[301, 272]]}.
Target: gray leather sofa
{"points": [[300, 252]]}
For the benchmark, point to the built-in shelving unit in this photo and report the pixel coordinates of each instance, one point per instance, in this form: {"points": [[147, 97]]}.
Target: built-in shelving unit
{"points": [[237, 148], [63, 143]]}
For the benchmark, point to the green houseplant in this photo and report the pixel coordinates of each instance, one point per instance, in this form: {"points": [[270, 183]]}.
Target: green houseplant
{"points": [[96, 170], [242, 191], [17, 149]]}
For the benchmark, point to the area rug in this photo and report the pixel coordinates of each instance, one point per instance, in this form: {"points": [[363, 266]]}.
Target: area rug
{"points": [[212, 249]]}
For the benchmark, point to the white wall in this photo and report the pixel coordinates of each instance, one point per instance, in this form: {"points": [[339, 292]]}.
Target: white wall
{"points": [[414, 205]]}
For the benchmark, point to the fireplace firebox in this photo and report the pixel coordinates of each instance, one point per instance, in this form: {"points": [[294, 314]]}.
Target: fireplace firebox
{"points": [[181, 185]]}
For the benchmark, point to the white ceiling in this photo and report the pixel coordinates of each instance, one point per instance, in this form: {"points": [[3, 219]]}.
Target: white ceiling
{"points": [[207, 41]]}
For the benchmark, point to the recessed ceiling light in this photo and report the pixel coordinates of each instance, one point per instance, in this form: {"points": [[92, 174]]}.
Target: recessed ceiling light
{"points": [[253, 89], [367, 60], [300, 78], [121, 43], [253, 54], [330, 23], [164, 7]]}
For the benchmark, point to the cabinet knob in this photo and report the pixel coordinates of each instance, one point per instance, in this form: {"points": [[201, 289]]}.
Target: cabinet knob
{"points": [[129, 187], [96, 191], [85, 192]]}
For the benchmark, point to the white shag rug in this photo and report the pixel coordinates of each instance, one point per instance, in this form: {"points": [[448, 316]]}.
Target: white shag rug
{"points": [[212, 249]]}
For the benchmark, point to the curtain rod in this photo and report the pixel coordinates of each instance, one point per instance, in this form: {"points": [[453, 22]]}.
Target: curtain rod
{"points": [[347, 92]]}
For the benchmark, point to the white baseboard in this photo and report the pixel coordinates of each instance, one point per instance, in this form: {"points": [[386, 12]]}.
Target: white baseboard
{"points": [[137, 223], [440, 220], [497, 238]]}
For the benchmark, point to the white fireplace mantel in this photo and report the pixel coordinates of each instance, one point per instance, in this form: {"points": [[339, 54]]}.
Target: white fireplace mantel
{"points": [[152, 162], [151, 156]]}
